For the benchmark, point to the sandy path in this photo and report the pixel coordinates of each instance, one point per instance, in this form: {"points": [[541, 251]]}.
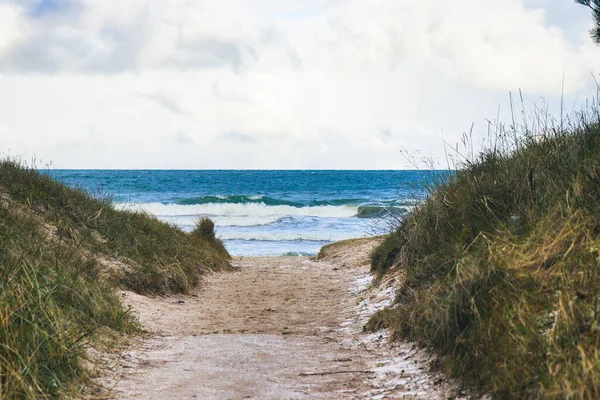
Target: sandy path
{"points": [[276, 328]]}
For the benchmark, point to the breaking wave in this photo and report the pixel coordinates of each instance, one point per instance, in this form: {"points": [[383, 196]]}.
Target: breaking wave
{"points": [[232, 214]]}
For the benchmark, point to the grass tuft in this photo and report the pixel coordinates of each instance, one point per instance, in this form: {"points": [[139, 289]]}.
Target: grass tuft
{"points": [[205, 229]]}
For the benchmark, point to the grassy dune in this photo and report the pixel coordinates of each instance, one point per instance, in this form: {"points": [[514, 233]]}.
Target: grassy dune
{"points": [[500, 266], [63, 254]]}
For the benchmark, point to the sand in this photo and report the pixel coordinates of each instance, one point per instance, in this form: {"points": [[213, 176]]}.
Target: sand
{"points": [[276, 328]]}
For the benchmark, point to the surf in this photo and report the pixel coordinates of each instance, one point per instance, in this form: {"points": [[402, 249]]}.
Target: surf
{"points": [[240, 209]]}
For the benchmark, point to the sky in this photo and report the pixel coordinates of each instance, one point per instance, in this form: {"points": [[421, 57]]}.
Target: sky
{"points": [[279, 84]]}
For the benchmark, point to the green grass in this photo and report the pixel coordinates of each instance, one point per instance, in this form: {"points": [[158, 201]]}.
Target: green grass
{"points": [[57, 285], [501, 264], [163, 259]]}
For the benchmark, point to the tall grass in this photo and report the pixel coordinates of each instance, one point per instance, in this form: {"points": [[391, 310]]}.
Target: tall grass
{"points": [[163, 259], [501, 261], [56, 244], [51, 301]]}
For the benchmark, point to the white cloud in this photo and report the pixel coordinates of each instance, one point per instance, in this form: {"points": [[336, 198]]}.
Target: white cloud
{"points": [[12, 25], [265, 84]]}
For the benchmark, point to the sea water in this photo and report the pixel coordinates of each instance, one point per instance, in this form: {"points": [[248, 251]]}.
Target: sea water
{"points": [[263, 212]]}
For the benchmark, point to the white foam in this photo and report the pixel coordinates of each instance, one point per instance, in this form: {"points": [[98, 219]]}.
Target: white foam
{"points": [[318, 236], [246, 210], [226, 220]]}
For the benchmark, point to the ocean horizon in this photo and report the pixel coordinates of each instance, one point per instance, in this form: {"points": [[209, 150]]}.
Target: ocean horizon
{"points": [[263, 212]]}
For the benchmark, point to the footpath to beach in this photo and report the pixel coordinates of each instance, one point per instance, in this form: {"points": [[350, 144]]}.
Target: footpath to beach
{"points": [[276, 328]]}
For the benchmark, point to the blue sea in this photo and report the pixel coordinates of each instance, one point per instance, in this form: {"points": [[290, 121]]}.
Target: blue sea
{"points": [[263, 212]]}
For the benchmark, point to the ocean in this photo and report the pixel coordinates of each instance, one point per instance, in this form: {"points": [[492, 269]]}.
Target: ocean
{"points": [[263, 212]]}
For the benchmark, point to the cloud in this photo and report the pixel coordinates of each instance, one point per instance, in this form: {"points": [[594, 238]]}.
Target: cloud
{"points": [[12, 25], [209, 53], [118, 36], [165, 102], [491, 44], [183, 139], [317, 83], [237, 137]]}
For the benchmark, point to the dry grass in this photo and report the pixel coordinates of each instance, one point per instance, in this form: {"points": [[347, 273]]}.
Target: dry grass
{"points": [[55, 244], [163, 259], [501, 265]]}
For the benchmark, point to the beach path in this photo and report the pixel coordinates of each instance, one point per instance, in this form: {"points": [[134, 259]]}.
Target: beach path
{"points": [[276, 328]]}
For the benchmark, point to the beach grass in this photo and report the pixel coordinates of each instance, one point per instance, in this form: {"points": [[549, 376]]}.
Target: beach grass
{"points": [[63, 255], [500, 265]]}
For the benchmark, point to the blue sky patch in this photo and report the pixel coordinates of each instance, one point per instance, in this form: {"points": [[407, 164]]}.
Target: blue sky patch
{"points": [[44, 7]]}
